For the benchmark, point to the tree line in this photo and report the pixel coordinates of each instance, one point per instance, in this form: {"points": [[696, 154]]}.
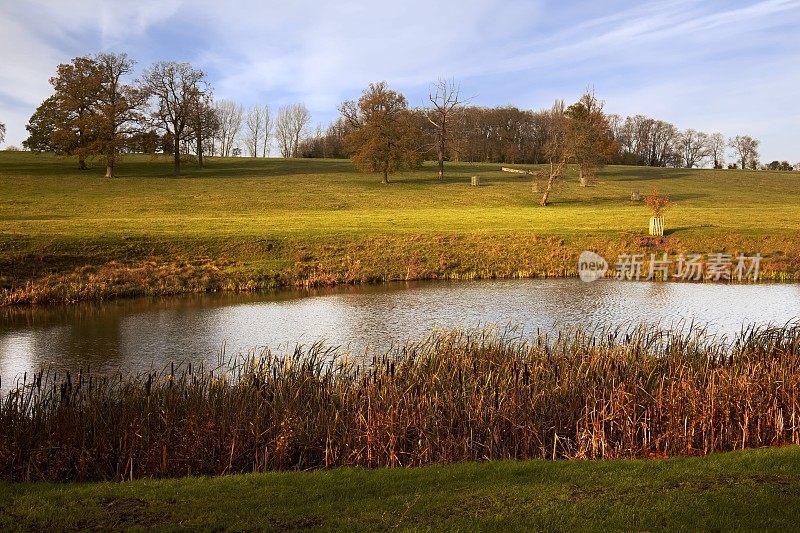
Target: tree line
{"points": [[99, 109]]}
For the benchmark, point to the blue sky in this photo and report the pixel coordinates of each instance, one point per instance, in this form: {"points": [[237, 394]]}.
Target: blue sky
{"points": [[725, 66]]}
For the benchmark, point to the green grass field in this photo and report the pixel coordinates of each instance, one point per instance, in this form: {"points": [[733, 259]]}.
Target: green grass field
{"points": [[750, 490], [270, 222]]}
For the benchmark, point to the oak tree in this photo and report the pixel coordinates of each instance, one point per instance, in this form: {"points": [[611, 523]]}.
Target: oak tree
{"points": [[176, 88], [382, 137]]}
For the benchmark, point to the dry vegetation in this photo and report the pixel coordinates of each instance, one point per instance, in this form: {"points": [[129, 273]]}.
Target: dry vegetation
{"points": [[459, 396]]}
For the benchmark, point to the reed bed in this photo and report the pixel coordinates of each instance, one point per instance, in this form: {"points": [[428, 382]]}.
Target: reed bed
{"points": [[456, 396]]}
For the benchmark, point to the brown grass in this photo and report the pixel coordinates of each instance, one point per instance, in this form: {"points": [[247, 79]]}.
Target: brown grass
{"points": [[457, 396]]}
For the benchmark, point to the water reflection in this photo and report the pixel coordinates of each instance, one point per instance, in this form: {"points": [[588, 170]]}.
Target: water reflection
{"points": [[136, 335]]}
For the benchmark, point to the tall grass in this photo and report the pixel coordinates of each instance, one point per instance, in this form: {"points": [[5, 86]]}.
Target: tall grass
{"points": [[456, 396]]}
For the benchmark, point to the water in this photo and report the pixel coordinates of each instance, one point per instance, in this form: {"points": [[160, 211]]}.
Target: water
{"points": [[136, 335]]}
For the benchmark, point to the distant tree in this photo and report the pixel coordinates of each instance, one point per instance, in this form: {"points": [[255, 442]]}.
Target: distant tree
{"points": [[716, 149], [746, 149], [589, 138], [779, 165], [255, 130], [267, 121], [290, 127], [230, 115], [11, 148], [693, 147], [445, 96], [176, 88], [382, 137], [203, 123], [556, 146], [144, 142]]}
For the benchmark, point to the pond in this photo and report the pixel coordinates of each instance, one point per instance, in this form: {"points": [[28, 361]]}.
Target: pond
{"points": [[136, 335]]}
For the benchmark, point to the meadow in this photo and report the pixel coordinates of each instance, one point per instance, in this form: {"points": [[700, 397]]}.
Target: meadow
{"points": [[243, 224], [736, 491]]}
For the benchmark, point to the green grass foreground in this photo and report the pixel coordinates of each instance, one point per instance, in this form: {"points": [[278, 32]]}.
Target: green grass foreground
{"points": [[244, 224], [749, 490]]}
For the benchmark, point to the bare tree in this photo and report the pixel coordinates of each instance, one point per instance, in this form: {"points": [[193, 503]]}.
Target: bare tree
{"points": [[230, 116], [445, 96], [254, 130], [556, 146], [693, 147], [176, 88], [746, 148], [716, 149], [290, 126], [267, 121]]}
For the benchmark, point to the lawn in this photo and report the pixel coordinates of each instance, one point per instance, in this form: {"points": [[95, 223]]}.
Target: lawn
{"points": [[266, 222], [749, 490]]}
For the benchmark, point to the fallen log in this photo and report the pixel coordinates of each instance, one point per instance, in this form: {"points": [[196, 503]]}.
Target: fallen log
{"points": [[518, 171]]}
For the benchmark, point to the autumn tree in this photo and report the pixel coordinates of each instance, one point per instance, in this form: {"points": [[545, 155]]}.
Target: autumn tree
{"points": [[176, 88], [290, 127], [64, 123], [746, 148], [445, 97], [117, 110], [382, 137], [589, 138]]}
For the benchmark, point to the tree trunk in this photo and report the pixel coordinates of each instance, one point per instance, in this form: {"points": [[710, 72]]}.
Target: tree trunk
{"points": [[385, 177], [177, 156], [82, 163], [582, 177], [440, 152], [199, 150]]}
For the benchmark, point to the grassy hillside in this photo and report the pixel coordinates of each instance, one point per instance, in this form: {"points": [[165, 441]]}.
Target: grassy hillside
{"points": [[752, 490], [243, 223]]}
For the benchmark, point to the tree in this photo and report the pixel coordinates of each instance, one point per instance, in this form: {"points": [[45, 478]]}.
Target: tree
{"points": [[445, 96], [589, 137], [203, 123], [290, 126], [117, 109], [746, 148], [176, 88], [257, 125], [229, 114], [41, 126], [382, 138], [693, 147], [716, 149], [267, 131], [69, 114], [556, 146]]}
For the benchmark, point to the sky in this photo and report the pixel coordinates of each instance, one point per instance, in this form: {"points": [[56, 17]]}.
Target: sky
{"points": [[727, 66]]}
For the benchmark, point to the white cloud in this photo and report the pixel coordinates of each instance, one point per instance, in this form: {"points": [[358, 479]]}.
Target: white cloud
{"points": [[716, 65]]}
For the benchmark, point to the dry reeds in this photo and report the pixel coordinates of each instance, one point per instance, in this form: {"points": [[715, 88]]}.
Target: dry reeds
{"points": [[457, 396]]}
